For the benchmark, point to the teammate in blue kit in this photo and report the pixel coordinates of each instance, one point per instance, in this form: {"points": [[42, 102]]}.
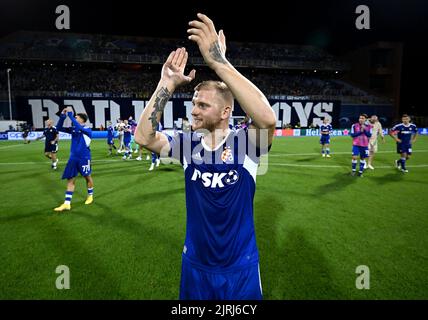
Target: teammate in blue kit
{"points": [[220, 257], [80, 156], [110, 138], [404, 134], [127, 132], [325, 129], [51, 135]]}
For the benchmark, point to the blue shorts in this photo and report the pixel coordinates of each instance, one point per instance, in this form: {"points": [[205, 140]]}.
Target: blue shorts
{"points": [[197, 284], [127, 143], [53, 148], [363, 152], [75, 166], [110, 141], [325, 139], [404, 148]]}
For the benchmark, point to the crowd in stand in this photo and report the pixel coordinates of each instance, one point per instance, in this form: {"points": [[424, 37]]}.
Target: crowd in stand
{"points": [[22, 44], [141, 81]]}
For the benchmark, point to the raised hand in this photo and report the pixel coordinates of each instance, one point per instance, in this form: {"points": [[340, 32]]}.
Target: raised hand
{"points": [[211, 45], [173, 68]]}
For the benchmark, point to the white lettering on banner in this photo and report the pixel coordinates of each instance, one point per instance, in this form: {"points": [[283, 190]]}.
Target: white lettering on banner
{"points": [[37, 112], [275, 109], [189, 106], [312, 132], [305, 110], [114, 111], [53, 109], [138, 108], [78, 108], [99, 110], [321, 109], [302, 113], [286, 114], [318, 110], [167, 116]]}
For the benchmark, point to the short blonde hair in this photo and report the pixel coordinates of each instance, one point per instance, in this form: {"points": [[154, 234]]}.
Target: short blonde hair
{"points": [[221, 88]]}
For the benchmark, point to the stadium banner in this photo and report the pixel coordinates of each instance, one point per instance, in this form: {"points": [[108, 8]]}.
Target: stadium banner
{"points": [[3, 136], [316, 132], [335, 133], [308, 132], [36, 110], [13, 135], [423, 131], [32, 135]]}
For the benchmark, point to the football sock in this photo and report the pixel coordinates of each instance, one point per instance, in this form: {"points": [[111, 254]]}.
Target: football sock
{"points": [[68, 196]]}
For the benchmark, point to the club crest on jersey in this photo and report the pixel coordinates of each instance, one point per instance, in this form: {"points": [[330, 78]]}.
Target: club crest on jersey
{"points": [[216, 179], [227, 155]]}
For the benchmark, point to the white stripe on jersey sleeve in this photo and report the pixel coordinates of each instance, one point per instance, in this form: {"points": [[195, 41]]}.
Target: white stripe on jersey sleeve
{"points": [[251, 167], [184, 163], [394, 128], [87, 140]]}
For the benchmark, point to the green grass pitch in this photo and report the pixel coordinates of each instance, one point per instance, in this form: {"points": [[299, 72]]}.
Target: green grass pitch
{"points": [[314, 224]]}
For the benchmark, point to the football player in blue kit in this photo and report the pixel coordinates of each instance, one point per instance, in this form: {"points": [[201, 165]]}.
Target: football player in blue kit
{"points": [[325, 130], [404, 134], [110, 138], [51, 135], [80, 156], [220, 258], [127, 137]]}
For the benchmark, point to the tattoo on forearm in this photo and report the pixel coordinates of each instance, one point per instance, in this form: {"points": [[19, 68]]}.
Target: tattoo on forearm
{"points": [[162, 98], [215, 52]]}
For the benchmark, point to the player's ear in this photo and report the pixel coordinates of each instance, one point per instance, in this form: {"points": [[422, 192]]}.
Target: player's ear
{"points": [[226, 111]]}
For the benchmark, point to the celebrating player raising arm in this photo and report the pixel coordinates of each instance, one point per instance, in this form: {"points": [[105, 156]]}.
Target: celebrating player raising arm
{"points": [[80, 156], [220, 257], [213, 49], [172, 76]]}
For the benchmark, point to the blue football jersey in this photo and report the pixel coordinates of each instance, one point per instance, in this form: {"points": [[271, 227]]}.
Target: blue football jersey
{"points": [[404, 133], [110, 132], [80, 137], [127, 132], [220, 186], [50, 134], [326, 128]]}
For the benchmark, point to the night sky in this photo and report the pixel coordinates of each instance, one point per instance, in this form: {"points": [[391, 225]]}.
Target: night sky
{"points": [[327, 24]]}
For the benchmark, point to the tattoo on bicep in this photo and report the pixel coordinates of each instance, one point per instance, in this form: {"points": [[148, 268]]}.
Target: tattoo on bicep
{"points": [[215, 52], [162, 98]]}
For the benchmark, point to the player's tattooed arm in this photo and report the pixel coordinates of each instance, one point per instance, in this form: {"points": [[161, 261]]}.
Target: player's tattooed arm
{"points": [[212, 45], [172, 77], [216, 54], [161, 100]]}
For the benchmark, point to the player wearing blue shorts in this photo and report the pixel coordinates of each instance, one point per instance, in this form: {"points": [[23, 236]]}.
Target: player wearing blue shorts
{"points": [[220, 257], [325, 130], [127, 140], [110, 138], [360, 133], [404, 134], [51, 135], [80, 156]]}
